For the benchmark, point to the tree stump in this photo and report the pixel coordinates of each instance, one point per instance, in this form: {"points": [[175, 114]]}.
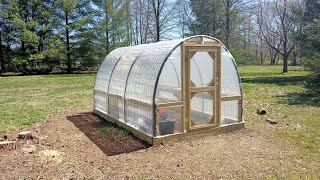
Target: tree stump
{"points": [[261, 111], [25, 135], [8, 145]]}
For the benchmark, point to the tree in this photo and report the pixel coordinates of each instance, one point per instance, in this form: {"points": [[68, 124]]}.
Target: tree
{"points": [[309, 43], [113, 19], [231, 16], [26, 27], [207, 17], [164, 18], [277, 25], [141, 14], [73, 15], [4, 34]]}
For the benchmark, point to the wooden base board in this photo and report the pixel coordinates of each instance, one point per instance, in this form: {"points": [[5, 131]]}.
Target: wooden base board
{"points": [[173, 137]]}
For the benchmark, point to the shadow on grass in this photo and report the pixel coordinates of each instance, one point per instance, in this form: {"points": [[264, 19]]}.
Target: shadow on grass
{"points": [[110, 139], [306, 98], [301, 98], [282, 81]]}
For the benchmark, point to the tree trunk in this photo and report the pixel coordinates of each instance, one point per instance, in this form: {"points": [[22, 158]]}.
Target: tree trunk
{"points": [[285, 63], [274, 57], [158, 21], [140, 22], [227, 23], [128, 25], [147, 24], [261, 55], [294, 58], [8, 145], [2, 67], [271, 57], [136, 28], [257, 52], [107, 29], [68, 44], [113, 29]]}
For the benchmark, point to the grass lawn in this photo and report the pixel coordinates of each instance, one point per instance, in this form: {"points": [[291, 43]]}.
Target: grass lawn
{"points": [[29, 99], [26, 100], [287, 102]]}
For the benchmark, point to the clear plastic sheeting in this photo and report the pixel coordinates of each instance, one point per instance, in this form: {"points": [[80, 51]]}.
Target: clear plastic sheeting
{"points": [[141, 86], [230, 82], [169, 84], [118, 82], [201, 108], [103, 78], [132, 81], [201, 69], [229, 112], [170, 120]]}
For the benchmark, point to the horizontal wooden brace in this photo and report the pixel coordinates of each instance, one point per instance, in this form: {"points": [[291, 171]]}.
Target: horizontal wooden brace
{"points": [[206, 49], [203, 126], [202, 89], [170, 104]]}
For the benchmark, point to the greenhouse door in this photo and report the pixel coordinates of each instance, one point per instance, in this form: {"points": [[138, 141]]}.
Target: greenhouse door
{"points": [[202, 72]]}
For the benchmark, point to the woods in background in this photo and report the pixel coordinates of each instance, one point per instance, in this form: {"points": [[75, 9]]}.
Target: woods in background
{"points": [[43, 36]]}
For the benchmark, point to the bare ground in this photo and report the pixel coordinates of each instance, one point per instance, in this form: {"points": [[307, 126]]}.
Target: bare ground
{"points": [[63, 149]]}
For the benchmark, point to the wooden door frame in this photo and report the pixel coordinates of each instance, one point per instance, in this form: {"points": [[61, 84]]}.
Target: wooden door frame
{"points": [[214, 49]]}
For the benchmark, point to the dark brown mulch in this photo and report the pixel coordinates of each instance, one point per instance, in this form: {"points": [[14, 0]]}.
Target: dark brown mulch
{"points": [[111, 139]]}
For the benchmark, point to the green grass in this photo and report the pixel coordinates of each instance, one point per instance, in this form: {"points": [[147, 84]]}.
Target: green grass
{"points": [[28, 99], [113, 133], [287, 102], [260, 71]]}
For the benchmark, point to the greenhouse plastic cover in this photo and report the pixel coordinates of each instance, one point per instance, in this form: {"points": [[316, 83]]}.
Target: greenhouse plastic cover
{"points": [[132, 80]]}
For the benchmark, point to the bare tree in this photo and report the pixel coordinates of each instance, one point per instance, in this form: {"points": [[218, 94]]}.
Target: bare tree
{"points": [[164, 18], [141, 10], [232, 15], [185, 17], [277, 27]]}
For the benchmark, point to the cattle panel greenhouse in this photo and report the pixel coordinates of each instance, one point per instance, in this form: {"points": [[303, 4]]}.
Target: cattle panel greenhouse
{"points": [[170, 89]]}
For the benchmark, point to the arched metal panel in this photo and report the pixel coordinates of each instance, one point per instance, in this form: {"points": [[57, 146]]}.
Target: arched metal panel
{"points": [[102, 81]]}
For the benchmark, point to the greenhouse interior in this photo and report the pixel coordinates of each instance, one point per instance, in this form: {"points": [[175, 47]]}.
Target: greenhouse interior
{"points": [[170, 89]]}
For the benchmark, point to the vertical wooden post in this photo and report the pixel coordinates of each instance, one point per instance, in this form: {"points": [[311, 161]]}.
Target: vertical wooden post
{"points": [[157, 129], [240, 110], [218, 89], [183, 91], [215, 84], [187, 88]]}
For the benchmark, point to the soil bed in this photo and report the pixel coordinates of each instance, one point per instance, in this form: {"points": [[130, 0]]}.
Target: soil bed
{"points": [[110, 139]]}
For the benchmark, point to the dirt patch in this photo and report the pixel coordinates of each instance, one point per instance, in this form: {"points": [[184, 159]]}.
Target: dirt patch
{"points": [[66, 150], [110, 139], [48, 156]]}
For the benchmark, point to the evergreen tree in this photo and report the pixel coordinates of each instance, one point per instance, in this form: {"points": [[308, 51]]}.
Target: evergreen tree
{"points": [[309, 42], [112, 18], [75, 18]]}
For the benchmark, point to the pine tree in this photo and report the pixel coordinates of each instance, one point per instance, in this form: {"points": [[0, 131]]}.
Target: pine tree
{"points": [[73, 15], [112, 18]]}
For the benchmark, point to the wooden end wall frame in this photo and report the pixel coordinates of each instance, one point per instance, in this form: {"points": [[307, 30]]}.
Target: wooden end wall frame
{"points": [[189, 89]]}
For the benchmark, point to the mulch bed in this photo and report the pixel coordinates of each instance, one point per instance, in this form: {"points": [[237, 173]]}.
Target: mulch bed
{"points": [[111, 139]]}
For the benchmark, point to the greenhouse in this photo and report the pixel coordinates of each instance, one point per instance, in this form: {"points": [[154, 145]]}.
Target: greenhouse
{"points": [[170, 89]]}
